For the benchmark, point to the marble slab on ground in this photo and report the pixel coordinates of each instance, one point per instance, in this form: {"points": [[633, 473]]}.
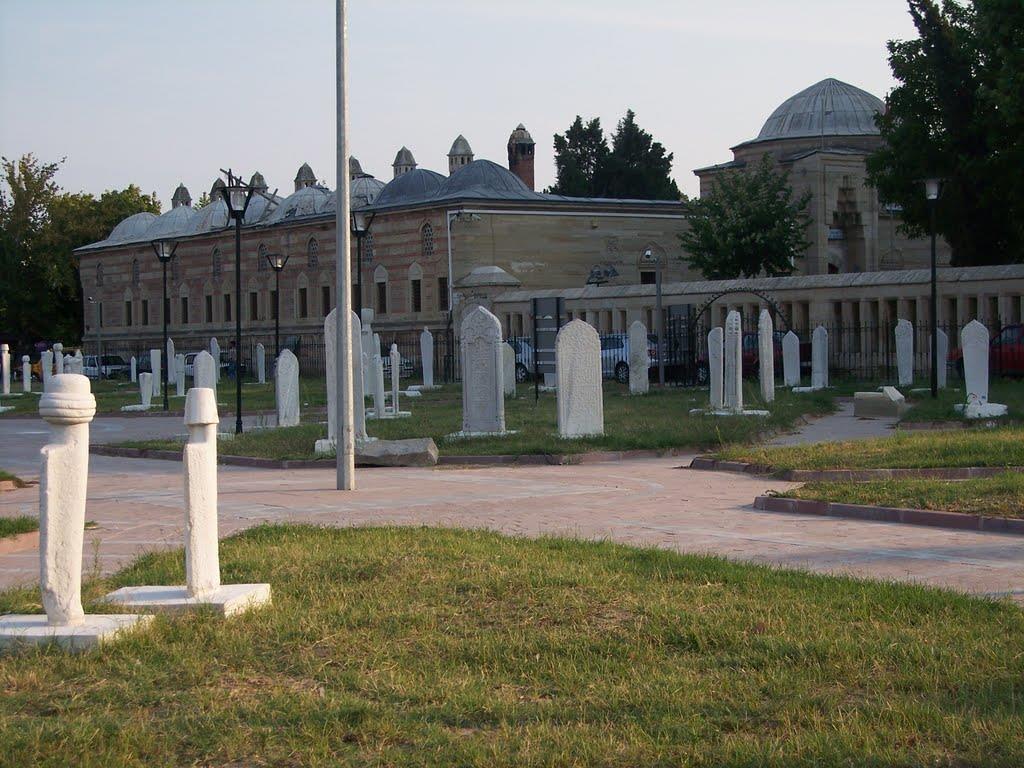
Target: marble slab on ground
{"points": [[226, 600], [96, 629]]}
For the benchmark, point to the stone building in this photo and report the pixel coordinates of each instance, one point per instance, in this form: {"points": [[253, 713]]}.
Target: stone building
{"points": [[822, 136]]}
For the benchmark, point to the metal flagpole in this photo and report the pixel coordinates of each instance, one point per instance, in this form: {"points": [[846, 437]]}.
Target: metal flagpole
{"points": [[346, 467]]}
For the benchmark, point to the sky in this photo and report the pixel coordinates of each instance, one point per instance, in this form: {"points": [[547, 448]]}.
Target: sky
{"points": [[158, 92]]}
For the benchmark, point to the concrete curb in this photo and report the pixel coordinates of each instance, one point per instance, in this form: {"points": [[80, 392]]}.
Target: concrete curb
{"points": [[711, 464], [926, 517], [236, 461]]}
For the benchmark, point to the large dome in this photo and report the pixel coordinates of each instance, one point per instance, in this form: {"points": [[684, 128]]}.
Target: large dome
{"points": [[131, 229], [412, 187], [306, 202], [485, 179], [175, 223], [828, 108]]}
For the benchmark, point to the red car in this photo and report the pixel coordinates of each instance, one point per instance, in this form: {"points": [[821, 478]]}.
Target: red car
{"points": [[1005, 353], [752, 356]]}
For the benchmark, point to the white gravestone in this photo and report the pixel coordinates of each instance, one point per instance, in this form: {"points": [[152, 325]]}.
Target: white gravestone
{"points": [[287, 389], [358, 396], [203, 375], [904, 352], [791, 359], [134, 366], [202, 558], [330, 445], [79, 363], [942, 356], [974, 341], [639, 359], [377, 378], [427, 356], [63, 483], [330, 359], [179, 374], [395, 358], [508, 369], [5, 361], [145, 394], [766, 355], [733, 362], [366, 341], [716, 371], [819, 361], [215, 353], [172, 373], [261, 364], [483, 388], [58, 358], [46, 366], [26, 374], [578, 369], [156, 366]]}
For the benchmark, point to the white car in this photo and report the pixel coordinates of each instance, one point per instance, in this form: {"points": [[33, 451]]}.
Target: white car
{"points": [[114, 367]]}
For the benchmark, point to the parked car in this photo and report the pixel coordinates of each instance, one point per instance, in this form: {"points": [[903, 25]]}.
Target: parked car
{"points": [[113, 367], [615, 355], [406, 367], [190, 359], [524, 357], [1005, 353], [752, 356]]}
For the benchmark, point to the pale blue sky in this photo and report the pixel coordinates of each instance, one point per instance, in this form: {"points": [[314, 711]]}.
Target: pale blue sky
{"points": [[160, 92]]}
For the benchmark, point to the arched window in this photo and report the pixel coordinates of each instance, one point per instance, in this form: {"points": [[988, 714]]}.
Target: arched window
{"points": [[427, 235], [135, 272], [313, 253], [415, 288], [217, 267], [261, 258], [99, 275], [380, 279]]}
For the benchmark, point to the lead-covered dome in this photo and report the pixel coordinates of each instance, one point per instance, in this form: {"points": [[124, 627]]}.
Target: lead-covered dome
{"points": [[828, 108], [305, 202], [484, 179], [417, 185], [131, 229], [177, 222]]}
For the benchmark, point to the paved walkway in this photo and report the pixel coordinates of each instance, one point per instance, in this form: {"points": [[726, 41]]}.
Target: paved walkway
{"points": [[838, 426]]}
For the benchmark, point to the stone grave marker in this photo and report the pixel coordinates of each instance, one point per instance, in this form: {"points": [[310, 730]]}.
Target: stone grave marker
{"points": [[578, 366], [286, 389], [904, 352], [766, 355], [639, 359], [483, 388]]}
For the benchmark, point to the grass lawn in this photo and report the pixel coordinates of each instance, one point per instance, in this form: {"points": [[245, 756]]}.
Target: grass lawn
{"points": [[5, 475], [656, 421], [12, 526], [1010, 392], [1000, 496], [416, 647], [1001, 447]]}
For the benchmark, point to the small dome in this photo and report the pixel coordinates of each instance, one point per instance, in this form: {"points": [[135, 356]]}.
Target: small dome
{"points": [[828, 108], [460, 147], [305, 174], [404, 157], [214, 215], [131, 229], [520, 136], [484, 179], [414, 186], [258, 182], [215, 189], [305, 202], [260, 207], [177, 222], [181, 196], [355, 170], [365, 190]]}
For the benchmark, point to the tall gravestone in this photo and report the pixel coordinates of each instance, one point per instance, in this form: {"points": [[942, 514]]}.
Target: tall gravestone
{"points": [[261, 364], [58, 358], [766, 355], [733, 362], [203, 371], [46, 367], [146, 390], [358, 395], [78, 363], [379, 398], [395, 359], [133, 366], [483, 389], [905, 352], [791, 359], [179, 374], [5, 361], [427, 356], [716, 371], [942, 356], [286, 389], [366, 340], [974, 341], [508, 369], [172, 372], [215, 354], [639, 359], [331, 361], [68, 407], [156, 367], [26, 374], [578, 368], [819, 358]]}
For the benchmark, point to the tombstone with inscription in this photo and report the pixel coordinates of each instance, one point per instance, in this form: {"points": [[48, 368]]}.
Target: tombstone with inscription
{"points": [[508, 369], [766, 355], [791, 359], [46, 366], [974, 340], [639, 359], [483, 388], [179, 374], [261, 364], [286, 389], [155, 367], [716, 371], [733, 362], [578, 366], [904, 352], [215, 354], [172, 371]]}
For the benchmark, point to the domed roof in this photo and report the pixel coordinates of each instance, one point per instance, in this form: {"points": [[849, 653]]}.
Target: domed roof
{"points": [[520, 136], [404, 157], [131, 229], [181, 196], [363, 191], [305, 174], [258, 182], [305, 202], [828, 108], [260, 207], [416, 185], [177, 222], [212, 216], [355, 169], [460, 147], [484, 179]]}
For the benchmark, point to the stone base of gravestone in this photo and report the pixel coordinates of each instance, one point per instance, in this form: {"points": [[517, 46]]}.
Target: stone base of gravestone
{"points": [[327, 447], [805, 390], [470, 435], [96, 629], [888, 403], [750, 412], [138, 407], [389, 413], [411, 393], [422, 388], [981, 410], [226, 600]]}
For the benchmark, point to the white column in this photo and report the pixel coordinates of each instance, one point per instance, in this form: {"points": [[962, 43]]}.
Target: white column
{"points": [[202, 560]]}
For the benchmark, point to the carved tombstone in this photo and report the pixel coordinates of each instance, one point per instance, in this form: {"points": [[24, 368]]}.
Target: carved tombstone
{"points": [[905, 352], [134, 367], [639, 359], [203, 371], [427, 356], [172, 371], [5, 363], [46, 365], [215, 354], [508, 369], [942, 356], [58, 358], [819, 358], [578, 368], [146, 389], [358, 403], [331, 361], [716, 374], [395, 359], [733, 362], [358, 399], [26, 374], [287, 389], [766, 355], [156, 368], [367, 341], [379, 396], [791, 359], [483, 389], [179, 374], [261, 363]]}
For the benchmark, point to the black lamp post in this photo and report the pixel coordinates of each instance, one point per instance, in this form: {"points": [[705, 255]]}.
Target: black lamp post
{"points": [[932, 187], [659, 319], [277, 262], [360, 225], [164, 250], [237, 195]]}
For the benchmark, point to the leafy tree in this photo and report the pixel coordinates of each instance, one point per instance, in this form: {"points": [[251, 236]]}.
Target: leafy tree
{"points": [[958, 113], [581, 157], [747, 225], [639, 168], [635, 166], [202, 202]]}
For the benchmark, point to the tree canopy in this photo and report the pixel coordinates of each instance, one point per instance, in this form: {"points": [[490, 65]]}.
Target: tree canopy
{"points": [[40, 226], [747, 225], [634, 166], [958, 114]]}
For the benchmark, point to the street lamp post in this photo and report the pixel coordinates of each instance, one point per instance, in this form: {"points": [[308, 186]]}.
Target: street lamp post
{"points": [[277, 262], [164, 250], [932, 187], [360, 228], [659, 320], [237, 195]]}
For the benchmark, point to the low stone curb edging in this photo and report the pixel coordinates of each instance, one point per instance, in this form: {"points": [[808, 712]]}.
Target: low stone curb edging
{"points": [[236, 461], [708, 463], [927, 517]]}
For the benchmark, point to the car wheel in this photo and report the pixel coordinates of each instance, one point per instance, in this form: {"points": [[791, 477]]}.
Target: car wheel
{"points": [[622, 373], [521, 373]]}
